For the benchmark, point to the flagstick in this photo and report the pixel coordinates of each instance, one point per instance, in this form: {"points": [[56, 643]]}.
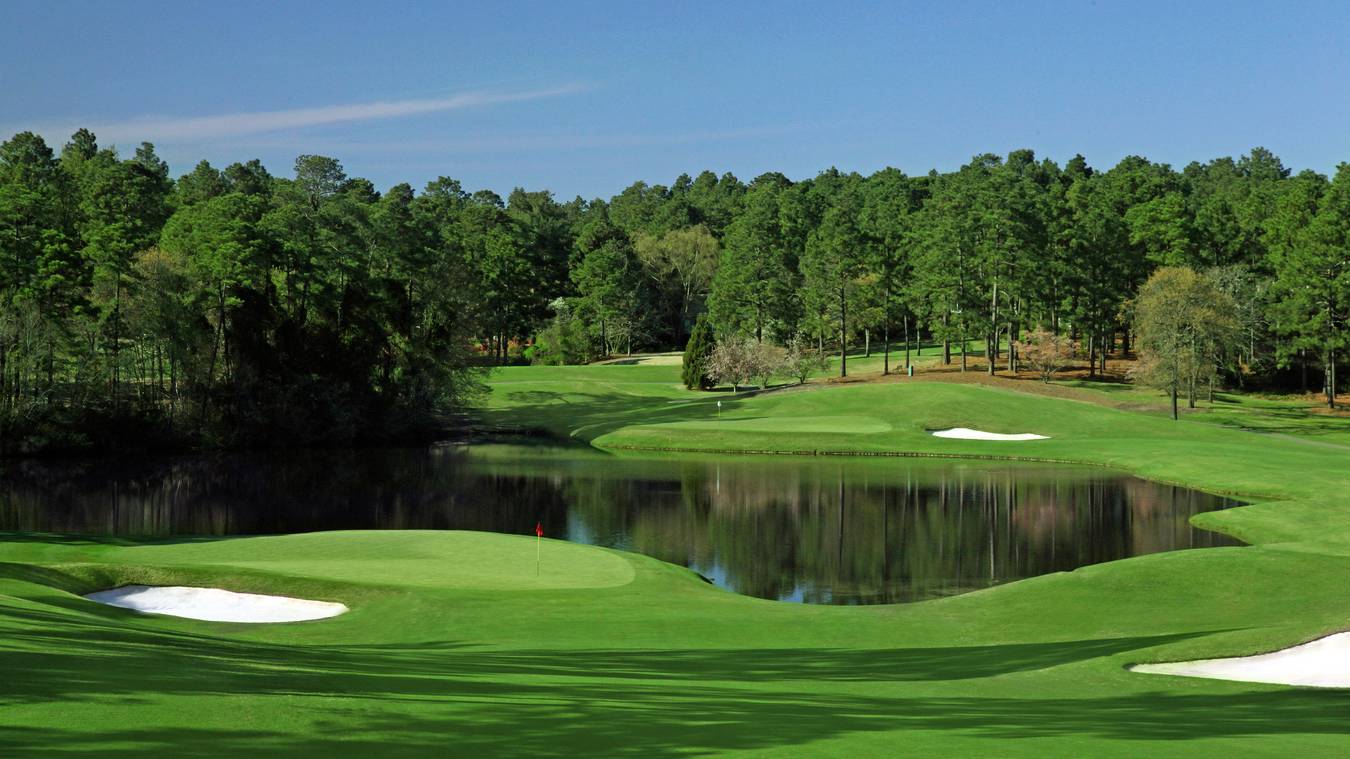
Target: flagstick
{"points": [[538, 541]]}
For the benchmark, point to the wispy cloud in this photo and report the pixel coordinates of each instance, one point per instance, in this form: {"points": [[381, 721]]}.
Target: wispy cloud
{"points": [[517, 142], [178, 129]]}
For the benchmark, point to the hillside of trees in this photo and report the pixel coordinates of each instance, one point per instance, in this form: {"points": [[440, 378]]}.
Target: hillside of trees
{"points": [[230, 307]]}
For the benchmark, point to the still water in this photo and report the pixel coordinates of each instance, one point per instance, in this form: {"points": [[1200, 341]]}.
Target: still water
{"points": [[817, 530]]}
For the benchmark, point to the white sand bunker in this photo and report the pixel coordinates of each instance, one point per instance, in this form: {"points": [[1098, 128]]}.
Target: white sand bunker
{"points": [[1323, 663], [965, 433], [215, 605]]}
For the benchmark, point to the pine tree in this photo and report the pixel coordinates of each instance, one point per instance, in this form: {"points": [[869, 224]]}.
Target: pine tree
{"points": [[697, 355]]}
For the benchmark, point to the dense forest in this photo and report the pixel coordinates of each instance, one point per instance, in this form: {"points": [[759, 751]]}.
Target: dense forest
{"points": [[231, 307]]}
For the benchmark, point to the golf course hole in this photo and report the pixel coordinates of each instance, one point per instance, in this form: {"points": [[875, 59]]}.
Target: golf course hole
{"points": [[1322, 663], [215, 605], [965, 433]]}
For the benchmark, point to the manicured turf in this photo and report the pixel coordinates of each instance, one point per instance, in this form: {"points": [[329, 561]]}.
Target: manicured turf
{"points": [[454, 647]]}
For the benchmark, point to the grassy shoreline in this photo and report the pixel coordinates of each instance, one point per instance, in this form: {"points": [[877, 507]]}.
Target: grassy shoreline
{"points": [[639, 412]]}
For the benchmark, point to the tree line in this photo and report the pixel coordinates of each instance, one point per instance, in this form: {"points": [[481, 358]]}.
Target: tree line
{"points": [[230, 306], [1012, 252]]}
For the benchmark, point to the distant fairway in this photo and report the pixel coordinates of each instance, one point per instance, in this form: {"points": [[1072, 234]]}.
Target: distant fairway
{"points": [[646, 359], [855, 425]]}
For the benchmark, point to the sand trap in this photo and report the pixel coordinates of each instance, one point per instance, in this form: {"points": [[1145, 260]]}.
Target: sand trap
{"points": [[215, 605], [1324, 663], [965, 433]]}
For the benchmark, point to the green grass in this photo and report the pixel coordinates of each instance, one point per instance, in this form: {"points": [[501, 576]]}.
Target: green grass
{"points": [[454, 647]]}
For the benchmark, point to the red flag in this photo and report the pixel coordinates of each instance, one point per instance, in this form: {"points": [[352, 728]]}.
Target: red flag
{"points": [[539, 529]]}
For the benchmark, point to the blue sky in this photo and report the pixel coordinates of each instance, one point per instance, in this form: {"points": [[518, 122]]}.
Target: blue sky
{"points": [[585, 98]]}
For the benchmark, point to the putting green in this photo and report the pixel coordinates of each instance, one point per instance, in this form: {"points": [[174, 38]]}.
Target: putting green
{"points": [[412, 558]]}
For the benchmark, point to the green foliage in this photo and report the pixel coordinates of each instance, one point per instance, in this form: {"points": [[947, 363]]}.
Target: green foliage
{"points": [[680, 264], [609, 282], [1311, 258], [697, 354], [1186, 327], [259, 310], [755, 287], [833, 265], [564, 341]]}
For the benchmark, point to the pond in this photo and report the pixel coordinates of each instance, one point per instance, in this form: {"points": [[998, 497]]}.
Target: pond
{"points": [[816, 530]]}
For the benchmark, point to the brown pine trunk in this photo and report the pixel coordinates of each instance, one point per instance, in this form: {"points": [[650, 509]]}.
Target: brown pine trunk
{"points": [[886, 348], [906, 318], [946, 343], [1331, 379], [4, 376], [843, 334]]}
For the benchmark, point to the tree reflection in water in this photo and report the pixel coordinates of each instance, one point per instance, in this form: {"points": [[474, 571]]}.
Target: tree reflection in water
{"points": [[811, 529]]}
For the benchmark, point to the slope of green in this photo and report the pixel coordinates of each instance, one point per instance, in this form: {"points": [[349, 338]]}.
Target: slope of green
{"points": [[454, 647]]}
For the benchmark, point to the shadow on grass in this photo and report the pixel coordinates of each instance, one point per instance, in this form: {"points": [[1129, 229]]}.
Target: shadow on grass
{"points": [[446, 697], [587, 416], [78, 539], [1280, 417]]}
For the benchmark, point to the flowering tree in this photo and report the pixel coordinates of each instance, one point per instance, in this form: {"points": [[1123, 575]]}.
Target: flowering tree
{"points": [[1046, 352], [801, 359], [766, 362], [738, 360], [732, 362]]}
